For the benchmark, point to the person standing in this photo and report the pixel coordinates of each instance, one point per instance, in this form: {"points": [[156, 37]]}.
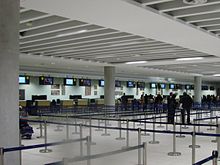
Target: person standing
{"points": [[186, 102], [124, 102], [171, 103]]}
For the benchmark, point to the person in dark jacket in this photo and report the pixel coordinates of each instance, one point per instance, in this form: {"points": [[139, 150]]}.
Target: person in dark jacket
{"points": [[186, 102], [124, 102], [171, 103]]}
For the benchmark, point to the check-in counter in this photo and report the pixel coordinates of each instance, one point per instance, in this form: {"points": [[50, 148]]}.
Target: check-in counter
{"points": [[67, 103], [99, 102], [83, 102], [23, 104], [42, 103]]}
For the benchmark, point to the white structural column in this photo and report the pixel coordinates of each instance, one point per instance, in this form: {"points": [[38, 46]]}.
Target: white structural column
{"points": [[197, 89], [109, 95], [9, 66]]}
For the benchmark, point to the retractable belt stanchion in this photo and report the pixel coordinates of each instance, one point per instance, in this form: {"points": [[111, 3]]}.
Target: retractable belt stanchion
{"points": [[139, 149], [90, 132], [1, 156], [75, 127], [194, 130], [99, 129], [215, 140], [154, 141], [106, 133], [174, 153], [181, 135], [193, 147], [119, 126], [41, 128], [145, 154], [160, 126], [88, 149], [45, 150], [215, 157], [145, 127], [81, 142], [211, 115], [127, 136], [67, 128], [58, 129], [218, 138]]}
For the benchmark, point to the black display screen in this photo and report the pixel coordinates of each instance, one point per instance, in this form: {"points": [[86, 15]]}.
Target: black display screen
{"points": [[45, 80]]}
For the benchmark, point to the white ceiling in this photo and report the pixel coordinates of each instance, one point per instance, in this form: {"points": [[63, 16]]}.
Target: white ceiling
{"points": [[82, 36]]}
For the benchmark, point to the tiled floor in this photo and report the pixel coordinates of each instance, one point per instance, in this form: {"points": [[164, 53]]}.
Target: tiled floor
{"points": [[156, 153]]}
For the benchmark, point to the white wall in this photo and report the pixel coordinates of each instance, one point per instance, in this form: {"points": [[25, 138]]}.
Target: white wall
{"points": [[35, 89]]}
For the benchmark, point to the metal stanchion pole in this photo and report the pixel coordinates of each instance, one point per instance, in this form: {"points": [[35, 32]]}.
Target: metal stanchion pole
{"points": [[145, 154], [41, 128], [99, 129], [154, 141], [119, 126], [88, 150], [211, 115], [67, 128], [193, 147], [160, 126], [215, 157], [127, 136], [75, 131], [174, 153], [145, 127], [218, 138], [194, 130], [45, 150], [81, 142], [106, 133], [90, 132], [180, 135], [1, 156], [139, 143], [215, 140]]}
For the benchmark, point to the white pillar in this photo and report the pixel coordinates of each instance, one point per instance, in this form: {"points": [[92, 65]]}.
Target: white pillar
{"points": [[109, 95], [197, 89], [9, 63]]}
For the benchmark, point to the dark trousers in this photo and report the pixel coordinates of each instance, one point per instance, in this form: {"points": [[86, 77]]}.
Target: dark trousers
{"points": [[187, 110], [171, 114]]}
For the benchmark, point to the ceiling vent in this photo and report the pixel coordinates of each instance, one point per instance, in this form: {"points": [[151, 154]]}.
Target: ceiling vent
{"points": [[194, 2]]}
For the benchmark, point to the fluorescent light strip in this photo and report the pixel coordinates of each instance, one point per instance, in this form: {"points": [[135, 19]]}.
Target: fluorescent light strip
{"points": [[189, 59], [136, 62], [71, 33], [216, 75]]}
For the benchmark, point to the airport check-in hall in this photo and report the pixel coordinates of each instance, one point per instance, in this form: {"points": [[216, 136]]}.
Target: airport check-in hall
{"points": [[114, 82]]}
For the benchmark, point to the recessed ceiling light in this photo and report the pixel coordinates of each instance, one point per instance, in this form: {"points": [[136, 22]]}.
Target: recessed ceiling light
{"points": [[71, 33], [103, 56], [189, 59], [194, 2], [136, 62], [126, 43], [216, 75], [52, 63]]}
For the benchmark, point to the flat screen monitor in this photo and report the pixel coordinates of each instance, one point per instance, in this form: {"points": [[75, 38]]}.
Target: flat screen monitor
{"points": [[191, 87], [24, 80], [84, 82], [101, 83], [179, 86], [140, 84], [212, 88], [205, 87], [171, 86], [130, 84], [45, 80], [117, 83], [69, 82], [153, 85], [187, 87], [163, 86]]}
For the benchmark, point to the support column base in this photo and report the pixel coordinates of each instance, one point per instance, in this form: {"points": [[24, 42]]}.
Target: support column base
{"points": [[46, 151], [154, 142], [174, 154]]}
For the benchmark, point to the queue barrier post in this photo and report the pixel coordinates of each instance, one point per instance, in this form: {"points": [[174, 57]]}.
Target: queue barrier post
{"points": [[181, 135], [106, 131], [145, 127], [193, 147], [194, 130], [75, 128], [211, 115], [88, 143], [139, 149], [215, 140], [99, 129], [160, 126], [41, 128], [45, 150], [67, 128], [119, 126], [1, 156], [145, 154], [81, 136], [90, 132], [127, 135], [215, 157], [154, 141], [218, 138], [174, 153]]}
